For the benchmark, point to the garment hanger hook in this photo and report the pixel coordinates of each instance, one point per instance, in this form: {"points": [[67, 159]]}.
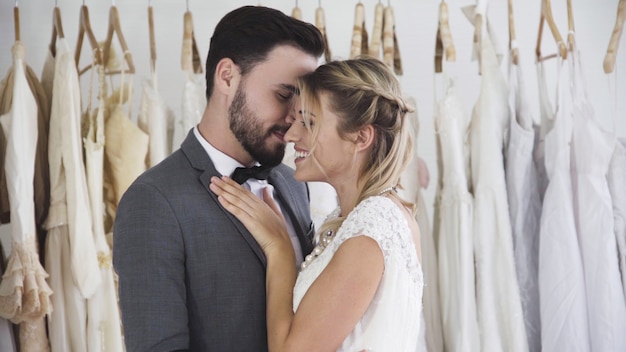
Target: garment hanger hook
{"points": [[187, 5], [16, 3]]}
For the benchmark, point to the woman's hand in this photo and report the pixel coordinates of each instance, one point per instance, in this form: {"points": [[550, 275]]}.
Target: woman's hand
{"points": [[261, 217]]}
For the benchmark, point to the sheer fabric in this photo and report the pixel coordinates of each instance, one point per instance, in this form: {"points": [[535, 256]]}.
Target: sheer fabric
{"points": [[617, 179], [392, 321], [411, 190], [498, 303], [564, 323], [524, 204], [592, 149], [455, 211]]}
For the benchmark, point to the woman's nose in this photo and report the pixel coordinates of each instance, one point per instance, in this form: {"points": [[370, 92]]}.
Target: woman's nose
{"points": [[292, 135]]}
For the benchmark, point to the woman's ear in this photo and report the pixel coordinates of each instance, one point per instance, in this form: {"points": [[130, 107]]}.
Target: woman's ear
{"points": [[365, 137], [226, 76]]}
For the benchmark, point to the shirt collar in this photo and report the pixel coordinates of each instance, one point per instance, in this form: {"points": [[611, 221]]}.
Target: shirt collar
{"points": [[223, 163]]}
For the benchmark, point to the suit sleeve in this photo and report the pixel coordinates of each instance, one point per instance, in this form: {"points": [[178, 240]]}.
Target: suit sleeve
{"points": [[149, 258]]}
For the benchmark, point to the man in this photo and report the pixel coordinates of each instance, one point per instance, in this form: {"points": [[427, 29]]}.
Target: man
{"points": [[191, 277]]}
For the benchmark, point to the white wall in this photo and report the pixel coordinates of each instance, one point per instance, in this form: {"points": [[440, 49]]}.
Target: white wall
{"points": [[416, 27]]}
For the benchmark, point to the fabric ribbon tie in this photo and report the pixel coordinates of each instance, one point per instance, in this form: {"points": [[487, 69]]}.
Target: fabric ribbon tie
{"points": [[242, 174]]}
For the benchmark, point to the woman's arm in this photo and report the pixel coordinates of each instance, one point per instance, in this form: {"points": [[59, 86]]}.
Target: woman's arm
{"points": [[337, 299]]}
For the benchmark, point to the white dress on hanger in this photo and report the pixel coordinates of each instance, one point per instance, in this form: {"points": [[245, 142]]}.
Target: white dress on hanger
{"points": [[456, 243], [194, 102], [389, 323], [71, 257], [564, 323], [153, 121], [524, 204], [499, 307], [24, 292], [617, 181], [104, 327], [432, 340], [592, 149]]}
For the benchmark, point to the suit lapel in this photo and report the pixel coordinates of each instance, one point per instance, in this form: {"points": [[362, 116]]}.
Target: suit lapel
{"points": [[200, 160], [304, 229]]}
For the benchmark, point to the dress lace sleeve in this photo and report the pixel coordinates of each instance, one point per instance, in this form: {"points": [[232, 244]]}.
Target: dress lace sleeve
{"points": [[380, 219]]}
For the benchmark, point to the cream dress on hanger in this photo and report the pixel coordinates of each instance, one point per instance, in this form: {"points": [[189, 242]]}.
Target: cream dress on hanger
{"points": [[24, 293], [104, 327], [432, 340], [153, 121], [455, 217], [71, 257]]}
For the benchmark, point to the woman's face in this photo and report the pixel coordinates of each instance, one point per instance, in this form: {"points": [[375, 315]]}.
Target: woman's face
{"points": [[333, 157]]}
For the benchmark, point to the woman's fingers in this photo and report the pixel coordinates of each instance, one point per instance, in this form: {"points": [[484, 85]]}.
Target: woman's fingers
{"points": [[234, 197]]}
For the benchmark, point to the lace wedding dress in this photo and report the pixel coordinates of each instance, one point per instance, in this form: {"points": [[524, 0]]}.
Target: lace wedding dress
{"points": [[391, 322]]}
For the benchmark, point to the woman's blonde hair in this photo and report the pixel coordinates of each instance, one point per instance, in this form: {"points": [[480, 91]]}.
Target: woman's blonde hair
{"points": [[362, 92]]}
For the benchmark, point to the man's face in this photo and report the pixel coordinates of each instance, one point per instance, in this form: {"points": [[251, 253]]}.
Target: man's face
{"points": [[259, 110]]}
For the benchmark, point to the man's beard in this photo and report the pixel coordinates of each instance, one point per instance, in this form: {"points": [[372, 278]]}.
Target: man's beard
{"points": [[248, 130]]}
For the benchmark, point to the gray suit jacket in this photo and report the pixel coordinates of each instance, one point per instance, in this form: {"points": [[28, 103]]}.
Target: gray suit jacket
{"points": [[191, 277]]}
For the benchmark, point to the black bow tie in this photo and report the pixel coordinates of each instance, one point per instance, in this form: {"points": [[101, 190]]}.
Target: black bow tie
{"points": [[242, 174]]}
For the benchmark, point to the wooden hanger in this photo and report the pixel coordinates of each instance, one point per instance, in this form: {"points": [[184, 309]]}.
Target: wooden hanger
{"points": [[512, 38], [320, 23], [84, 28], [57, 29], [296, 12], [570, 26], [116, 28], [546, 16], [153, 54], [16, 21], [444, 45], [359, 32], [377, 32], [611, 51], [190, 59]]}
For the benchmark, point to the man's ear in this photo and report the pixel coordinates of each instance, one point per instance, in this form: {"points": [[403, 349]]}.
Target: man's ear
{"points": [[226, 76], [365, 137]]}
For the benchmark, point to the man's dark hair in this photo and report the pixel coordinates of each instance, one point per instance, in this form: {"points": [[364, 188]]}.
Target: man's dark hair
{"points": [[246, 35]]}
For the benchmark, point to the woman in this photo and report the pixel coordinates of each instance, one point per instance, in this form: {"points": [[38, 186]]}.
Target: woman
{"points": [[361, 287]]}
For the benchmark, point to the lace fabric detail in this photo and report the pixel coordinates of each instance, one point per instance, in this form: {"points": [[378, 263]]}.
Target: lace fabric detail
{"points": [[24, 292], [380, 218], [392, 320]]}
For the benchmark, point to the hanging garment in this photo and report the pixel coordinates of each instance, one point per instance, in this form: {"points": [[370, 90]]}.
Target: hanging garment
{"points": [[103, 319], [24, 293], [564, 324], [41, 179], [7, 338], [455, 217], [411, 191], [592, 149], [194, 102], [125, 151], [153, 121], [498, 303], [617, 179], [524, 204], [71, 257]]}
